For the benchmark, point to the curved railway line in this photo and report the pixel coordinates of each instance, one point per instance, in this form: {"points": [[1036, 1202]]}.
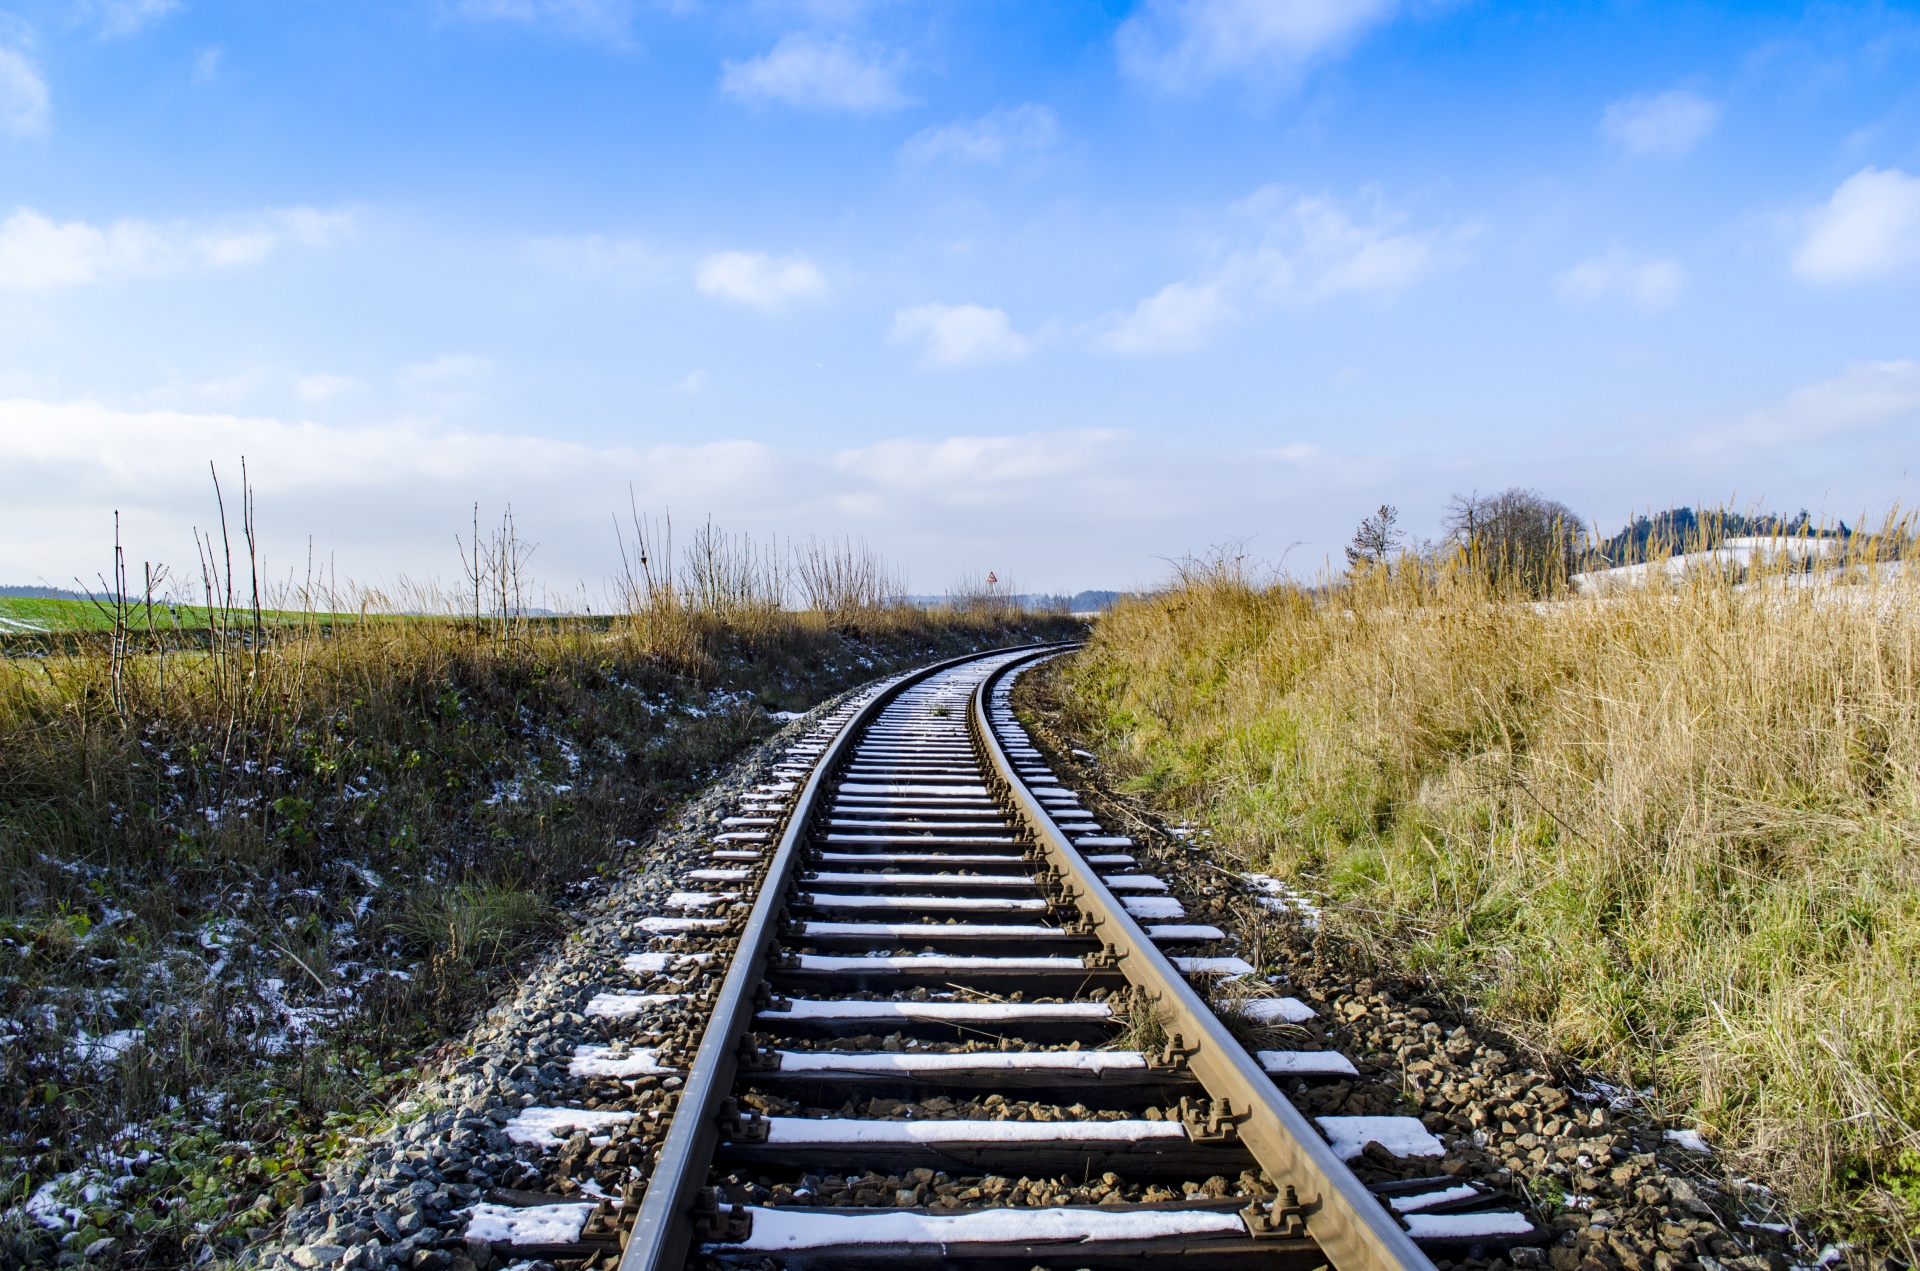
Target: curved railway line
{"points": [[943, 975]]}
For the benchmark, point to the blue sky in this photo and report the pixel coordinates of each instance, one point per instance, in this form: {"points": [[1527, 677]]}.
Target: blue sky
{"points": [[1056, 290]]}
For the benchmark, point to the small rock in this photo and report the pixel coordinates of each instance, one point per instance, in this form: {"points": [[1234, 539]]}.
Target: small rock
{"points": [[318, 1255]]}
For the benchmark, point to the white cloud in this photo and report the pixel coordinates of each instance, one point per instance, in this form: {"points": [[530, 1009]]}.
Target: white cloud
{"points": [[959, 335], [818, 73], [23, 95], [1308, 249], [1181, 315], [1183, 44], [39, 254], [115, 18], [1066, 508], [768, 283], [389, 498], [206, 64], [586, 17], [448, 369], [601, 258], [320, 387], [1650, 285], [1870, 228], [1866, 399], [988, 139], [1669, 123]]}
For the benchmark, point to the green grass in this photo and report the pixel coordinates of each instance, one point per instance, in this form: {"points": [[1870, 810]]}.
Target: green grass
{"points": [[27, 615]]}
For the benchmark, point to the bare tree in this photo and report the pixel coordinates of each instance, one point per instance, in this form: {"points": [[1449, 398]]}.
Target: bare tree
{"points": [[1374, 541], [1518, 538]]}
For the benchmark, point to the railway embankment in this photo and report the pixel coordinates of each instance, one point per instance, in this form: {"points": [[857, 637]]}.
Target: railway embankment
{"points": [[257, 883], [1661, 841]]}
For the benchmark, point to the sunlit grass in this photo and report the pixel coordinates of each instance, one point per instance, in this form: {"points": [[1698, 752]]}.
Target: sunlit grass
{"points": [[1674, 832]]}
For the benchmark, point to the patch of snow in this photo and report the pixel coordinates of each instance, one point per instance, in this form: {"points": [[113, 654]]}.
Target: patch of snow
{"points": [[775, 1230], [1690, 1140], [720, 875], [1305, 1063], [1403, 1136], [786, 717], [1136, 882], [934, 962], [830, 879], [812, 1008], [1113, 860], [1213, 966], [1103, 840], [654, 963], [933, 930], [928, 792], [1266, 1010], [1279, 898], [884, 1062], [602, 1061], [920, 858], [1153, 907], [1185, 931], [1467, 1226], [548, 1126], [44, 1205], [532, 1225], [1427, 1200], [851, 1130], [677, 926], [943, 904], [105, 1050], [699, 899], [626, 1005]]}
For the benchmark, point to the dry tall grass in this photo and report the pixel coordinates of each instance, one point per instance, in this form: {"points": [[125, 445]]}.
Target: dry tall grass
{"points": [[1674, 832]]}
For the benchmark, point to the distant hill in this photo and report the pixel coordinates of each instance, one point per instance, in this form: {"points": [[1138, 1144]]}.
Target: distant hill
{"points": [[1683, 529], [1078, 602]]}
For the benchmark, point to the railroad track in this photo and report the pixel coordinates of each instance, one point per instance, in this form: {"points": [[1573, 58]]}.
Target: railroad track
{"points": [[959, 1027]]}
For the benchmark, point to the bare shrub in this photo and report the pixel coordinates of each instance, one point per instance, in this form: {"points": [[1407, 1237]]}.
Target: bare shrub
{"points": [[844, 576]]}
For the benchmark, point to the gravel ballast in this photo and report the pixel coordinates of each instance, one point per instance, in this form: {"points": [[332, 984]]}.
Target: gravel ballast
{"points": [[542, 1119]]}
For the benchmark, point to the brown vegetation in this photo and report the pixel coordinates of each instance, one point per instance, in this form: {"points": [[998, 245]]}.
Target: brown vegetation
{"points": [[1673, 832]]}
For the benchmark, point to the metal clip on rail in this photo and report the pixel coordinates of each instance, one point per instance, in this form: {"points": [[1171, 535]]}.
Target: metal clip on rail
{"points": [[734, 1128], [712, 1223]]}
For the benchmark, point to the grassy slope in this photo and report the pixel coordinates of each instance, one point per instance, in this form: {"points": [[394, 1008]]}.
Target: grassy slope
{"points": [[1676, 834], [376, 824]]}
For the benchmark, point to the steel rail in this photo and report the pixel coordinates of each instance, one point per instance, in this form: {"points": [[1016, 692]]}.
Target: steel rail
{"points": [[1346, 1220], [663, 1229]]}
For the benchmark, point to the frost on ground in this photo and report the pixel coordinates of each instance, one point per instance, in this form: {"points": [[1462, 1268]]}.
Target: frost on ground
{"points": [[235, 931]]}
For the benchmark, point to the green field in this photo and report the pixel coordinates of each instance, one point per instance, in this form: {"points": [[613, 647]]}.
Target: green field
{"points": [[30, 616]]}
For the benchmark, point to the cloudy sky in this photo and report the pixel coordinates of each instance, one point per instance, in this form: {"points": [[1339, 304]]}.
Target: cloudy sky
{"points": [[1059, 290]]}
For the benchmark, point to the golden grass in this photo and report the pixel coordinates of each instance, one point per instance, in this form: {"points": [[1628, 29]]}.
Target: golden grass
{"points": [[1674, 832]]}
